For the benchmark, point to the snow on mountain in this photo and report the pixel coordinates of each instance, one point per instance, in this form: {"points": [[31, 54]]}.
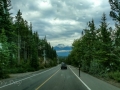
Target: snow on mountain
{"points": [[62, 50], [60, 45]]}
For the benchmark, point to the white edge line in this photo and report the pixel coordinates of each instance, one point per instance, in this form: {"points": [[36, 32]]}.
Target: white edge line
{"points": [[81, 80], [26, 78]]}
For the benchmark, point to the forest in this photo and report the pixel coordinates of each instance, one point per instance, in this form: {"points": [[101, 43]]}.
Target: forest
{"points": [[98, 49], [21, 49]]}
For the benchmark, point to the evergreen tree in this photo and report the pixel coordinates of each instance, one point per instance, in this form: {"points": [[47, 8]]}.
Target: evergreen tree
{"points": [[19, 45], [105, 40], [115, 10], [4, 55]]}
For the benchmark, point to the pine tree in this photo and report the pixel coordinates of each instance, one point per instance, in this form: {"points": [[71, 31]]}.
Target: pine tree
{"points": [[106, 46], [4, 55], [115, 10]]}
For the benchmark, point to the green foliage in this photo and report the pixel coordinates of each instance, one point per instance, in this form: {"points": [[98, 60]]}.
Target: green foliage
{"points": [[97, 51], [115, 7], [19, 45], [114, 75], [4, 55]]}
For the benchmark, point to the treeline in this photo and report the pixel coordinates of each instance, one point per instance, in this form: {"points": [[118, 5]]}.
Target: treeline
{"points": [[98, 50], [21, 49]]}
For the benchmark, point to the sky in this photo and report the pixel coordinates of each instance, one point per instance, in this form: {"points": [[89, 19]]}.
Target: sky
{"points": [[61, 20]]}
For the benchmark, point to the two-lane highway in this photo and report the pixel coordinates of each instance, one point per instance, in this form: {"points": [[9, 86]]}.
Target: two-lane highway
{"points": [[63, 80], [51, 79]]}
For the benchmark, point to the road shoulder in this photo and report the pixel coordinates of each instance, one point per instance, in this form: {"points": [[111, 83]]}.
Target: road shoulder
{"points": [[93, 82], [17, 76]]}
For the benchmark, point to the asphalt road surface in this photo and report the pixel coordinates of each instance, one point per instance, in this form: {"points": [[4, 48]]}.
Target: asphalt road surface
{"points": [[56, 79]]}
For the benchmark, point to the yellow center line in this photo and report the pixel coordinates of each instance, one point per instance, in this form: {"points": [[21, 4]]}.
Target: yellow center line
{"points": [[46, 81]]}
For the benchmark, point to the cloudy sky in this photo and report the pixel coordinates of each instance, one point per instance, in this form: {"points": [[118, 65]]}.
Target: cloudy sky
{"points": [[61, 20]]}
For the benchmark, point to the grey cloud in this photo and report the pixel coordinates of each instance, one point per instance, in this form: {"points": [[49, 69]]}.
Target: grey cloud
{"points": [[55, 22]]}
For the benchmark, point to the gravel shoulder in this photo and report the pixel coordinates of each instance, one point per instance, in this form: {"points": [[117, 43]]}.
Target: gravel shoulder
{"points": [[21, 75], [110, 81]]}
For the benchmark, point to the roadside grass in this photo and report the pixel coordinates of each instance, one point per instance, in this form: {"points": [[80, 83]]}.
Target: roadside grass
{"points": [[114, 75], [109, 76], [23, 68]]}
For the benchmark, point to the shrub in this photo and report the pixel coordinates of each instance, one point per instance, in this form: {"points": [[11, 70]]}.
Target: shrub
{"points": [[114, 75]]}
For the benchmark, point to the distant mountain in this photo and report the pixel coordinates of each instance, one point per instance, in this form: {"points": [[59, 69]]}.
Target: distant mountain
{"points": [[62, 50], [62, 47]]}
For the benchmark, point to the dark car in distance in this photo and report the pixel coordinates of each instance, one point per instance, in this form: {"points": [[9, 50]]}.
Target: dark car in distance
{"points": [[63, 66]]}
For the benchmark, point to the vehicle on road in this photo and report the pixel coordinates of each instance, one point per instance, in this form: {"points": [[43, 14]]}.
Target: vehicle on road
{"points": [[63, 65]]}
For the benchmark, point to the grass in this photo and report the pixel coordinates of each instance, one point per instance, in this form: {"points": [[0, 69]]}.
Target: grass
{"points": [[114, 75]]}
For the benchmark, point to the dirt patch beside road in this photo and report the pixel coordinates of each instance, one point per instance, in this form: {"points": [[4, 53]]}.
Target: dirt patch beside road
{"points": [[20, 74], [110, 81]]}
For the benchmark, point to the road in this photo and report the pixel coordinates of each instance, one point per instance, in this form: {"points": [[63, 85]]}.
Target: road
{"points": [[56, 79]]}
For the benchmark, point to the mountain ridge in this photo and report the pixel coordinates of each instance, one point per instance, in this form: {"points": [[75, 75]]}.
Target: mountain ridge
{"points": [[62, 50]]}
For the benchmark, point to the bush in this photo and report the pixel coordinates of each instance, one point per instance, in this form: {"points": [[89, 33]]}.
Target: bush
{"points": [[13, 70], [17, 70], [30, 69], [21, 70], [3, 74], [114, 75], [42, 66]]}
